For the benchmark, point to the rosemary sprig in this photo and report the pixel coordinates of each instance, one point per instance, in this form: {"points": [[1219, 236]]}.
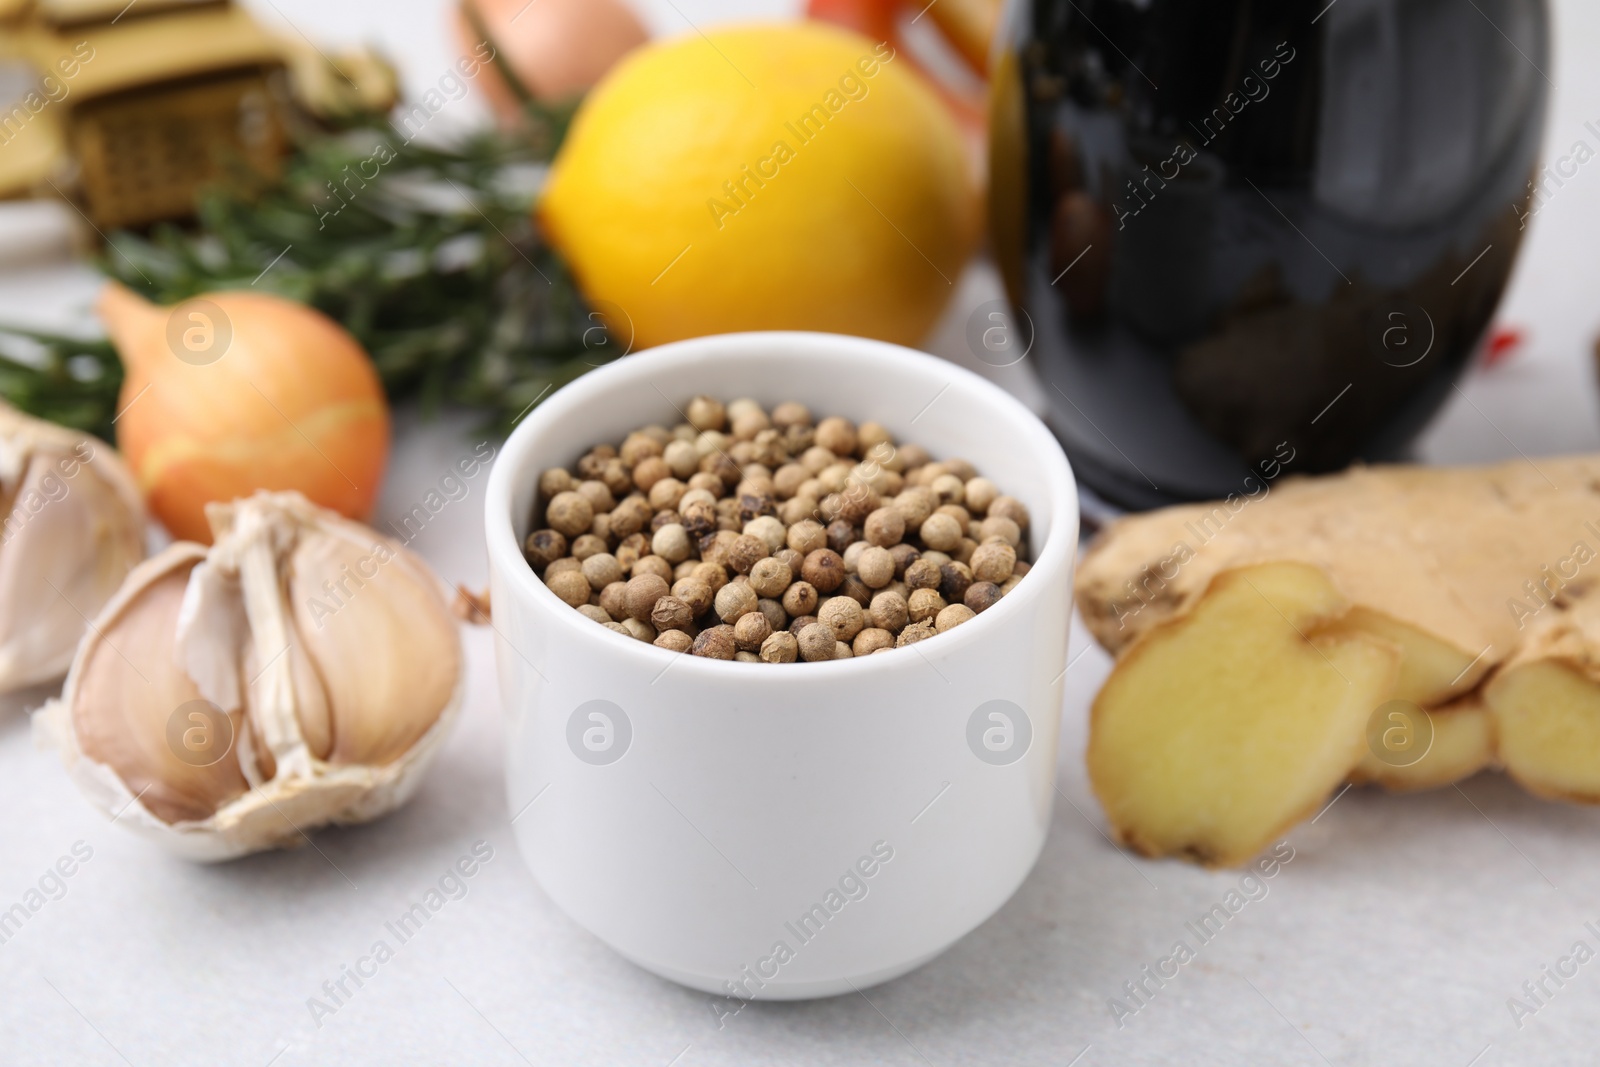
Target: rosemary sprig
{"points": [[427, 254]]}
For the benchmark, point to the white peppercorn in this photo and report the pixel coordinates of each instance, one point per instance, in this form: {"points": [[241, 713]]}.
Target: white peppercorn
{"points": [[642, 593], [639, 631], [843, 616], [777, 618], [888, 611], [652, 565], [885, 527], [1009, 507], [569, 513], [570, 586], [981, 596], [948, 489], [770, 577], [800, 599], [674, 641], [854, 588], [597, 494], [694, 593], [837, 435], [805, 537], [671, 543], [780, 647], [565, 563], [749, 423], [735, 600], [586, 545], [706, 413], [787, 479], [770, 529], [602, 569], [998, 526], [924, 604], [715, 642], [914, 506], [816, 642], [954, 577], [667, 494], [751, 630], [713, 574], [555, 481], [681, 458], [953, 616], [614, 599], [745, 552], [705, 481], [870, 640], [595, 612], [670, 613], [941, 532], [791, 413], [980, 493], [875, 567], [824, 569], [993, 562], [544, 547], [923, 574]]}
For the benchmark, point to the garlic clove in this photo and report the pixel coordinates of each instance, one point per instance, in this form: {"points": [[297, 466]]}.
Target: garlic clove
{"points": [[142, 718], [71, 530], [381, 639], [329, 723]]}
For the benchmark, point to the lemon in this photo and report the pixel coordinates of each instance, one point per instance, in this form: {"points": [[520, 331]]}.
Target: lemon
{"points": [[764, 177]]}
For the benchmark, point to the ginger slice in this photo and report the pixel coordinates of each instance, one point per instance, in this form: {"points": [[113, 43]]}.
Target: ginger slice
{"points": [[1463, 744], [1546, 704], [1225, 725], [1547, 715], [1432, 672]]}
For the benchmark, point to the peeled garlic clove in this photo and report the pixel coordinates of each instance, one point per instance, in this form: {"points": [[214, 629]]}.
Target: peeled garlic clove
{"points": [[72, 528], [317, 658]]}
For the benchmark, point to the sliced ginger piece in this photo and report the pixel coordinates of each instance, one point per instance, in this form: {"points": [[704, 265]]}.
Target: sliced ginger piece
{"points": [[1432, 672], [1225, 725], [1546, 704], [1547, 718], [1462, 744]]}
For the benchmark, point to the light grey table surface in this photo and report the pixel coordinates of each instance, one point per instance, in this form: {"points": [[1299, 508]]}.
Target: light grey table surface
{"points": [[1395, 936]]}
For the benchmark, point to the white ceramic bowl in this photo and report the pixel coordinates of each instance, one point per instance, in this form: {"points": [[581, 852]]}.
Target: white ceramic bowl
{"points": [[862, 814]]}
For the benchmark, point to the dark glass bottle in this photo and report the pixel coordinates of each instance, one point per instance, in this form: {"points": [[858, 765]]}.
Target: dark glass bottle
{"points": [[1254, 238]]}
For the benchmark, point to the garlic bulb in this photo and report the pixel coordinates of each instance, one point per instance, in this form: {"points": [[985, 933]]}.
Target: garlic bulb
{"points": [[301, 671], [73, 528]]}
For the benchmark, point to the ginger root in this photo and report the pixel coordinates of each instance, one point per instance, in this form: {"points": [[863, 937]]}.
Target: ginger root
{"points": [[1227, 724], [1449, 576], [1546, 707]]}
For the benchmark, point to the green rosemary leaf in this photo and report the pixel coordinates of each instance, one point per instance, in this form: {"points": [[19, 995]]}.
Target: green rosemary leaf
{"points": [[428, 254]]}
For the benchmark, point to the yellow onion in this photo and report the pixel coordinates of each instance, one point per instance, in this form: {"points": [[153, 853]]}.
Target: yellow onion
{"points": [[232, 392]]}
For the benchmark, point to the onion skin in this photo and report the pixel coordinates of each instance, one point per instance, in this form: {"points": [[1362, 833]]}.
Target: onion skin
{"points": [[293, 403], [557, 49]]}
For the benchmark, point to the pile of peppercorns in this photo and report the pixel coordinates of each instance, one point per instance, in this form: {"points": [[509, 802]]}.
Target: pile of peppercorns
{"points": [[749, 535]]}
